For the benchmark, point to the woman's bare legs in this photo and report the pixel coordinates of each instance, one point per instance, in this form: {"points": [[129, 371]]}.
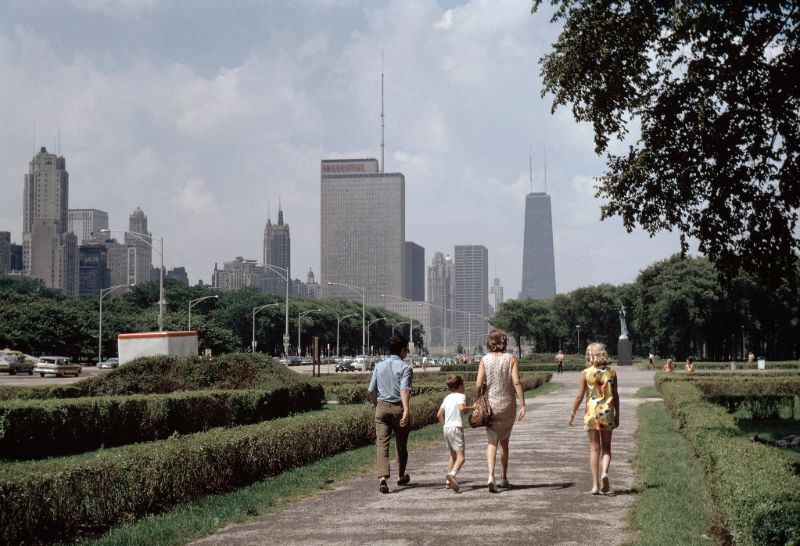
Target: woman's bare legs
{"points": [[594, 458], [504, 457], [491, 455], [605, 444]]}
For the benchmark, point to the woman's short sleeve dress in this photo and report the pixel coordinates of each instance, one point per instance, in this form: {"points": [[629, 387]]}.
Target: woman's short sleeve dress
{"points": [[599, 413], [501, 394]]}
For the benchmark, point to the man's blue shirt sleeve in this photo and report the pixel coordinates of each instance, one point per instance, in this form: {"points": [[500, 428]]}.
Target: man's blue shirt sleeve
{"points": [[373, 382], [406, 379]]}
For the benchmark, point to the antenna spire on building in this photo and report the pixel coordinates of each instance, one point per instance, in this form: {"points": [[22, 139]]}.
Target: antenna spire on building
{"points": [[530, 165], [382, 116]]}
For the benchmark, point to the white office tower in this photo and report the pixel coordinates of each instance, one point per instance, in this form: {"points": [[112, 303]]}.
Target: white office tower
{"points": [[362, 230], [471, 295], [87, 223], [140, 239], [49, 252], [538, 261]]}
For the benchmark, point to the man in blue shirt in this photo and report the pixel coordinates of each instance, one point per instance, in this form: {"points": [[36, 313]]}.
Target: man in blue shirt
{"points": [[390, 392]]}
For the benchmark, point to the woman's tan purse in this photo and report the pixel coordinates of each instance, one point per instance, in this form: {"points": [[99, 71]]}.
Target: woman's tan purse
{"points": [[482, 414]]}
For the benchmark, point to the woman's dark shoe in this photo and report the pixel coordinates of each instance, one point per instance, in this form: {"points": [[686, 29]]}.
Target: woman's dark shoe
{"points": [[383, 488], [405, 480]]}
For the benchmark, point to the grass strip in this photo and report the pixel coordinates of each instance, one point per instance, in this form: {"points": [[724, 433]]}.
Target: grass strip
{"points": [[648, 392], [673, 506], [200, 518]]}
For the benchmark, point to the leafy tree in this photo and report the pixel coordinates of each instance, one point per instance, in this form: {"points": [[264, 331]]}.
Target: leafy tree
{"points": [[513, 318], [714, 88]]}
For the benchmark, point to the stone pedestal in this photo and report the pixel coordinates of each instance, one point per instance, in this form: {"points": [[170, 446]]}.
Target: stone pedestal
{"points": [[624, 352]]}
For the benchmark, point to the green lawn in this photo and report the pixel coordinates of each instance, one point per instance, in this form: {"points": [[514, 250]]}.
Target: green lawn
{"points": [[648, 392], [673, 506]]}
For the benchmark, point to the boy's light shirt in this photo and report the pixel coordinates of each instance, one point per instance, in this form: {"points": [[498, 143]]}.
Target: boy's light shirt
{"points": [[452, 409]]}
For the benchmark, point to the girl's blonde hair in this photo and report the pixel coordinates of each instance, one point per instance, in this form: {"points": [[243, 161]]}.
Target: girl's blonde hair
{"points": [[596, 355]]}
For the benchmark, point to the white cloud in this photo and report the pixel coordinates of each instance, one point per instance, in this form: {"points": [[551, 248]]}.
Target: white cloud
{"points": [[194, 196]]}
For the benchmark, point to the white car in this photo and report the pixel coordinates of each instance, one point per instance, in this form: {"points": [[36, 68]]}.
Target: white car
{"points": [[361, 362], [58, 366]]}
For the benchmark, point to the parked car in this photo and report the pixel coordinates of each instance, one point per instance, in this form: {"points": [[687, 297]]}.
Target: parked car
{"points": [[361, 362], [58, 366], [109, 363], [345, 367], [14, 362]]}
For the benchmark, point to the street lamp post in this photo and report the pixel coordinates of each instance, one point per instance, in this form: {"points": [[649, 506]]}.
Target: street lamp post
{"points": [[299, 315], [192, 303], [147, 239], [338, 322], [363, 292], [578, 327], [368, 332], [283, 272], [103, 293], [257, 310]]}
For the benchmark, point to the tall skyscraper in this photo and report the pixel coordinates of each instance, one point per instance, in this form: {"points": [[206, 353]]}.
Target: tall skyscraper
{"points": [[278, 252], [414, 275], [86, 223], [440, 293], [49, 253], [142, 243], [362, 229], [5, 253], [471, 295], [120, 262], [538, 261], [496, 295]]}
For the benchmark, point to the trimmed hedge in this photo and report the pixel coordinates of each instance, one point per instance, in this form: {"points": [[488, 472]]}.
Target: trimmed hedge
{"points": [[759, 406], [46, 428], [755, 489], [357, 394], [64, 499], [523, 367], [166, 374]]}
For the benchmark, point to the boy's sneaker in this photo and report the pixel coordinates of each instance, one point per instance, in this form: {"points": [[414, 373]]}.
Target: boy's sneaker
{"points": [[383, 487], [452, 482]]}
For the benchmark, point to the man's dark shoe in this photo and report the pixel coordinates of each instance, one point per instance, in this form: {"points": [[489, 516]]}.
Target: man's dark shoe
{"points": [[383, 488], [405, 480]]}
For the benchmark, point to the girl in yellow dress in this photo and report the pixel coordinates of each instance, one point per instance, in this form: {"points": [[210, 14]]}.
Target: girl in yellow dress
{"points": [[598, 384]]}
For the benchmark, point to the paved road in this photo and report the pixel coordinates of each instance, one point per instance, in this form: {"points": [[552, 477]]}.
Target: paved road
{"points": [[25, 380], [549, 504]]}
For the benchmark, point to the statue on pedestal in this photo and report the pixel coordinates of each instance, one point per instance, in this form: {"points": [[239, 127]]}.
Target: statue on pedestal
{"points": [[623, 327]]}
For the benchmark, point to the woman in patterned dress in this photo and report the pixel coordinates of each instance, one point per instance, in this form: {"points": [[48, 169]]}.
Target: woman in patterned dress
{"points": [[499, 373], [598, 384]]}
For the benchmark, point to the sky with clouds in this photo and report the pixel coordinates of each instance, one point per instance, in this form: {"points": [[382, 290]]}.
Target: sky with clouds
{"points": [[204, 113]]}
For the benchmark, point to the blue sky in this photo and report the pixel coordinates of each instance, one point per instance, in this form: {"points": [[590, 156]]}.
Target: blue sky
{"points": [[203, 112]]}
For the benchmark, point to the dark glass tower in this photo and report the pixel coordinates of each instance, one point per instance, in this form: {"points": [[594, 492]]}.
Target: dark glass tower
{"points": [[538, 261]]}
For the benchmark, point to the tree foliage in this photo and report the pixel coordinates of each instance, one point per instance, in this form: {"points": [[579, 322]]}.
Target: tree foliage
{"points": [[714, 88], [39, 321], [676, 307]]}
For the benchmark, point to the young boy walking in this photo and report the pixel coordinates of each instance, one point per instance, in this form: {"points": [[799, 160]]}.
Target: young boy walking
{"points": [[449, 415]]}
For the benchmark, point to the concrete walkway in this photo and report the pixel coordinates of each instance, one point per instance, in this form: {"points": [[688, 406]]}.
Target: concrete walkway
{"points": [[549, 503]]}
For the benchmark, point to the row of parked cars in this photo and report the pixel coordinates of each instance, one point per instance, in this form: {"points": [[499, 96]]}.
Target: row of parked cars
{"points": [[15, 362]]}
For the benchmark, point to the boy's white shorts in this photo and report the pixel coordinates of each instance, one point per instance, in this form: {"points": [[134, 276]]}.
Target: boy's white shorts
{"points": [[454, 436]]}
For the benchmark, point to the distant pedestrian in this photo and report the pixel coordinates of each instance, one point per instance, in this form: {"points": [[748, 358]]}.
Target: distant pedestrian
{"points": [[449, 415], [651, 361], [498, 373], [751, 358], [390, 393], [689, 366], [598, 385], [668, 366], [560, 361]]}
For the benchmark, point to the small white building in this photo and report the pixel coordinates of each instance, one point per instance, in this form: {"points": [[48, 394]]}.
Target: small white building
{"points": [[133, 346]]}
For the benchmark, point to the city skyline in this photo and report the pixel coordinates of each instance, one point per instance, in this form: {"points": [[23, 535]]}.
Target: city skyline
{"points": [[197, 139]]}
